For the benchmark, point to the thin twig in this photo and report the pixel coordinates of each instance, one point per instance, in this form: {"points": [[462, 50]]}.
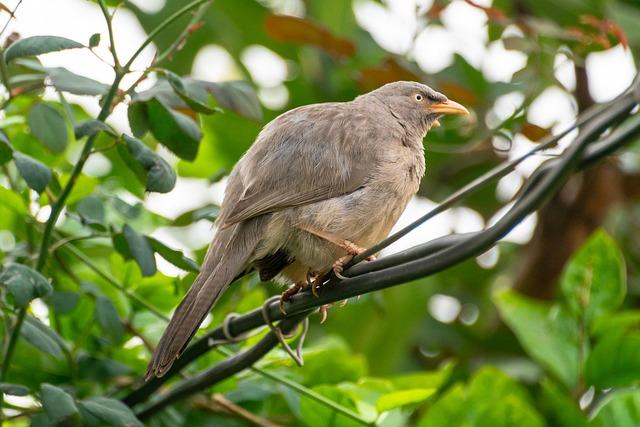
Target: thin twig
{"points": [[12, 16], [112, 45], [167, 53], [60, 243], [221, 401], [170, 20]]}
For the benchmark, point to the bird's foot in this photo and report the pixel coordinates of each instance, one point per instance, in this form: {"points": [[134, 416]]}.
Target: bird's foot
{"points": [[352, 251], [291, 291], [317, 283]]}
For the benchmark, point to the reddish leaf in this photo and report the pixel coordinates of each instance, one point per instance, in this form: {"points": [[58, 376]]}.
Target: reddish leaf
{"points": [[616, 31], [435, 10], [534, 132], [389, 71], [297, 30]]}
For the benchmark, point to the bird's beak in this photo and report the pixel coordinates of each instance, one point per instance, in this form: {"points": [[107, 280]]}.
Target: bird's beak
{"points": [[449, 107]]}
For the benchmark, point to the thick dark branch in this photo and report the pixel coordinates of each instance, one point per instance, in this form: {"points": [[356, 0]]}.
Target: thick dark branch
{"points": [[223, 369], [422, 260]]}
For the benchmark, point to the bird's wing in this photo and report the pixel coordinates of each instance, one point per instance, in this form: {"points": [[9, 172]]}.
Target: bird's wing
{"points": [[309, 154]]}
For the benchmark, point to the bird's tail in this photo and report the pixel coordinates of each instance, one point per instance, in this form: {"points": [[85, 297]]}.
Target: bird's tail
{"points": [[226, 258]]}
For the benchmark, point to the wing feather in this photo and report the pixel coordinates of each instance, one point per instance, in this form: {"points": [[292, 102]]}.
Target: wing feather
{"points": [[309, 154]]}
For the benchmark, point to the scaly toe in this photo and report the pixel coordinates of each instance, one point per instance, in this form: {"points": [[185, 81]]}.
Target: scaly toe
{"points": [[324, 310], [282, 310]]}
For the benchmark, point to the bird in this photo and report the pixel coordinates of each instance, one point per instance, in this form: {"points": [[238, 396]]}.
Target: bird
{"points": [[320, 183]]}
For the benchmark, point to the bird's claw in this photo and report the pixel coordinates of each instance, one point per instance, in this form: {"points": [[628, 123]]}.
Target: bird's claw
{"points": [[286, 295], [324, 310], [352, 251]]}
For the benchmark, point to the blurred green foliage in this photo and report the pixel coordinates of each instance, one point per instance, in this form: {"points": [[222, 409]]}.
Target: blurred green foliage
{"points": [[91, 314]]}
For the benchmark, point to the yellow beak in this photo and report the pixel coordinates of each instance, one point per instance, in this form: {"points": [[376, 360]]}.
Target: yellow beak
{"points": [[449, 107]]}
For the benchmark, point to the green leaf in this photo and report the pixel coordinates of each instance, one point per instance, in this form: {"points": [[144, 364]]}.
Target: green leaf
{"points": [[174, 256], [6, 150], [138, 120], [176, 131], [451, 410], [14, 389], [12, 201], [48, 126], [91, 127], [565, 412], [37, 45], [433, 379], [158, 175], [109, 412], [57, 403], [141, 251], [237, 96], [109, 319], [24, 283], [94, 40], [194, 95], [491, 399], [34, 173], [315, 414], [614, 360], [42, 337], [547, 333], [91, 210], [619, 409], [66, 81], [208, 212], [594, 281], [401, 398], [615, 322], [64, 301]]}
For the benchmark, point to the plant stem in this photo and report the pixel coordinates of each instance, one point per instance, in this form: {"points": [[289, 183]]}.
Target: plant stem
{"points": [[77, 169], [113, 282], [12, 16], [4, 76], [112, 45], [185, 33], [171, 49], [12, 343], [164, 24]]}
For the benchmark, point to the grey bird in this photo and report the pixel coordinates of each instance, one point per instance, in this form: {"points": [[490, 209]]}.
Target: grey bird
{"points": [[320, 183]]}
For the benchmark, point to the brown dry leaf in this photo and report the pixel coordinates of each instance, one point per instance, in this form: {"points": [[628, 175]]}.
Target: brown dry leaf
{"points": [[187, 112], [297, 30], [389, 71], [435, 10], [533, 132], [3, 7]]}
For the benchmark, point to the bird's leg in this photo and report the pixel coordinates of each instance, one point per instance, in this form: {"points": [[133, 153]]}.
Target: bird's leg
{"points": [[352, 250]]}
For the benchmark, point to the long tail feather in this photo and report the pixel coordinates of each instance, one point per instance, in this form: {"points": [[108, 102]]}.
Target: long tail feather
{"points": [[227, 256]]}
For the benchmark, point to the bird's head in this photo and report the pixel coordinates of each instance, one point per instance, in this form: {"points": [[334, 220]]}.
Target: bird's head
{"points": [[416, 105]]}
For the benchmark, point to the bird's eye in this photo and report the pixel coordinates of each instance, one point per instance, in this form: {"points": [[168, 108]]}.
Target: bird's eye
{"points": [[419, 97]]}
